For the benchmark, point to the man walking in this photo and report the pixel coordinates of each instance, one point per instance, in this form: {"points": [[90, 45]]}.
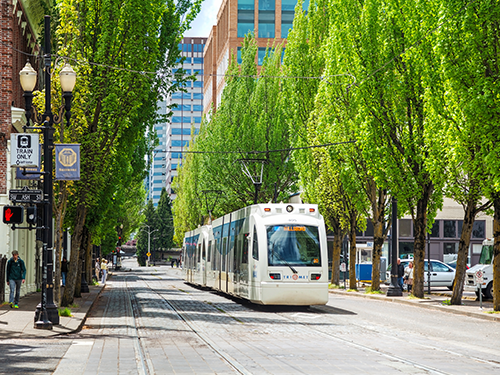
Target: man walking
{"points": [[16, 274]]}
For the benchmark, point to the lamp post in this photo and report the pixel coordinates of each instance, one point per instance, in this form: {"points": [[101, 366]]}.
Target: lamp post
{"points": [[394, 289], [46, 313], [149, 242]]}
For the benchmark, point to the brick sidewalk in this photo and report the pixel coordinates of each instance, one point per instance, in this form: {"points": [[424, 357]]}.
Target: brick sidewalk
{"points": [[18, 323]]}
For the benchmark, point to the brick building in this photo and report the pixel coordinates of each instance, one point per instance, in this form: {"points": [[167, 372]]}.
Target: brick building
{"points": [[20, 29], [270, 20]]}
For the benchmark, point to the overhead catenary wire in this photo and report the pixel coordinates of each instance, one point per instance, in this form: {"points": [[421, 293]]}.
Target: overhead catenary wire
{"points": [[254, 152]]}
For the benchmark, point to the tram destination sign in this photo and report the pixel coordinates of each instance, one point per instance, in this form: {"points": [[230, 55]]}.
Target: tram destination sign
{"points": [[25, 195]]}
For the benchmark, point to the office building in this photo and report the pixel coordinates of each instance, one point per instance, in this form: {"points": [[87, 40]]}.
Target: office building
{"points": [[270, 20], [177, 132]]}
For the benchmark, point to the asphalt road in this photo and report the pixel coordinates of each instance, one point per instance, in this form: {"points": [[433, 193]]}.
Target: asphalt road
{"points": [[148, 321]]}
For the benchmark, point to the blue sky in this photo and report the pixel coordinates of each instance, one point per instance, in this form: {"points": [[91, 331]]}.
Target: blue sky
{"points": [[207, 18]]}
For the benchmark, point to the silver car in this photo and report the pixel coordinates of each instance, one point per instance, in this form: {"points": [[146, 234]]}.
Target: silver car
{"points": [[441, 274]]}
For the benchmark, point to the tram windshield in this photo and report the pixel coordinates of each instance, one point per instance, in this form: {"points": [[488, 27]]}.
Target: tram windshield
{"points": [[293, 245]]}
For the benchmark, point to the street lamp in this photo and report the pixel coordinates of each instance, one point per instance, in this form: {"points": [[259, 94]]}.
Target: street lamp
{"points": [[46, 313], [149, 243]]}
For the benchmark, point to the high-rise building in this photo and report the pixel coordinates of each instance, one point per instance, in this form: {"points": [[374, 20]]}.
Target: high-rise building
{"points": [[270, 20], [177, 132]]}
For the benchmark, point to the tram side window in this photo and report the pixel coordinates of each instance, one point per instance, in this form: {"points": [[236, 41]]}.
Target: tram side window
{"points": [[255, 245], [244, 256], [198, 253], [209, 252], [203, 252]]}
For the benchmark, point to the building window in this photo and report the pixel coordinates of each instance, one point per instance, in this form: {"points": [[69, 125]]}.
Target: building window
{"points": [[404, 228], [238, 56], [197, 120], [197, 84], [197, 108], [450, 228], [287, 14], [246, 18], [479, 229], [181, 131], [185, 107], [266, 18], [174, 167], [179, 143], [450, 248], [197, 96], [198, 60], [435, 229], [405, 250]]}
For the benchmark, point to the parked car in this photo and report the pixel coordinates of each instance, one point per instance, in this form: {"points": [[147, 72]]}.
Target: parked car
{"points": [[441, 273], [453, 264]]}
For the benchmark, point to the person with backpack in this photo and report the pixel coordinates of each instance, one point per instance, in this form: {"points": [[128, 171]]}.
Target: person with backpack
{"points": [[16, 275]]}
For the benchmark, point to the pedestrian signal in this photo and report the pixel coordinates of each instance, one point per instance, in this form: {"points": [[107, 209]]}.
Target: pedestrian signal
{"points": [[13, 214], [31, 215]]}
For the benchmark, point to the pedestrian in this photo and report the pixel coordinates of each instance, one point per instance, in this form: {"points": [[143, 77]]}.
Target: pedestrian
{"points": [[64, 270], [401, 272], [409, 276], [97, 269], [16, 275], [104, 269], [172, 263]]}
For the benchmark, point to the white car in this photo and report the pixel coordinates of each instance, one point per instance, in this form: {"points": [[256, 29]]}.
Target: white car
{"points": [[441, 273]]}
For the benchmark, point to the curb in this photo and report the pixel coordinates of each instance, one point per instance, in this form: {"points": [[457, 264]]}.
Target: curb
{"points": [[401, 300]]}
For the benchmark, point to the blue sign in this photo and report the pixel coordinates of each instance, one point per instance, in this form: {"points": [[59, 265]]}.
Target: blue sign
{"points": [[68, 161]]}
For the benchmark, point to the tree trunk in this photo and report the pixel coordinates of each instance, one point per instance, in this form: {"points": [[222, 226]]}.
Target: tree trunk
{"points": [[463, 247], [337, 247], [378, 243], [420, 226], [76, 239], [352, 254], [496, 253]]}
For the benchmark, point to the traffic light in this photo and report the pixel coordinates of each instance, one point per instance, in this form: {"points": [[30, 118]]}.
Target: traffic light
{"points": [[13, 214], [31, 215]]}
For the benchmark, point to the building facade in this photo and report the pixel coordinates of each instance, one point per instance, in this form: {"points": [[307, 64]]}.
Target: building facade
{"points": [[270, 20], [20, 28], [176, 134]]}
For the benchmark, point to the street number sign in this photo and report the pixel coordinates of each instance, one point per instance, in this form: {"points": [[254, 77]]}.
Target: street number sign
{"points": [[25, 150], [25, 195], [479, 276]]}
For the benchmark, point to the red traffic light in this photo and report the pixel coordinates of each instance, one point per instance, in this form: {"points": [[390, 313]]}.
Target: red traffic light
{"points": [[13, 214]]}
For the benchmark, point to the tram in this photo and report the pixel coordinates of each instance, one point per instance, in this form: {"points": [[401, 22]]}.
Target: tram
{"points": [[270, 254]]}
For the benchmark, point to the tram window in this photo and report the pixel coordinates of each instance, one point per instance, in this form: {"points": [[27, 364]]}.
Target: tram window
{"points": [[224, 253], [198, 253], [209, 250], [244, 256], [203, 255], [255, 245]]}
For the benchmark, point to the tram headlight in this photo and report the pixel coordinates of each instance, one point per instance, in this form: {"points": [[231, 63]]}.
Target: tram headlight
{"points": [[289, 208]]}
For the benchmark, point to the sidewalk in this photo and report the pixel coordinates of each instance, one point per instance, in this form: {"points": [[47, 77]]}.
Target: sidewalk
{"points": [[18, 323], [431, 302]]}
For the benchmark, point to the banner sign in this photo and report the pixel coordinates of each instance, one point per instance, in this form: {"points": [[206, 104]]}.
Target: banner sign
{"points": [[25, 150], [68, 161]]}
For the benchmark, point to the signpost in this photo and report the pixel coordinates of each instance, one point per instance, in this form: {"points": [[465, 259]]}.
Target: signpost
{"points": [[479, 281]]}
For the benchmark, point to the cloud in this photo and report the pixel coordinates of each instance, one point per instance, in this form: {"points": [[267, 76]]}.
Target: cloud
{"points": [[207, 18]]}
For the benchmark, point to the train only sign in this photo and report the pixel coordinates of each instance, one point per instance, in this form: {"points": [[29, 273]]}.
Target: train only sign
{"points": [[25, 150]]}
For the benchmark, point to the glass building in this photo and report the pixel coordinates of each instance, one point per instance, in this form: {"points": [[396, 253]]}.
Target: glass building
{"points": [[177, 132]]}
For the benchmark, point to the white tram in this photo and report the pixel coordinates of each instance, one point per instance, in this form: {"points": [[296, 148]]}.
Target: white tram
{"points": [[271, 254]]}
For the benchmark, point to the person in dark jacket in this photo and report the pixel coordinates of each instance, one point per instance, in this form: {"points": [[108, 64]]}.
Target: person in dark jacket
{"points": [[16, 275], [64, 270], [401, 272]]}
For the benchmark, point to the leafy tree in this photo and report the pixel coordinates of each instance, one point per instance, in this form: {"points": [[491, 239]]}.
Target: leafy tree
{"points": [[164, 223], [115, 106]]}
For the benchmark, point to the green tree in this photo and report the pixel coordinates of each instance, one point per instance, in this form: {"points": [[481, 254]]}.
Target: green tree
{"points": [[165, 224], [114, 107]]}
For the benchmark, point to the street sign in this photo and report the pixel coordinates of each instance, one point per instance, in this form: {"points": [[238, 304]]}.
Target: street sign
{"points": [[25, 150], [479, 277], [148, 254], [25, 195], [342, 267]]}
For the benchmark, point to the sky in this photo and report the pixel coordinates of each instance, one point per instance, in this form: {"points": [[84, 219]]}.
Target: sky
{"points": [[207, 18]]}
